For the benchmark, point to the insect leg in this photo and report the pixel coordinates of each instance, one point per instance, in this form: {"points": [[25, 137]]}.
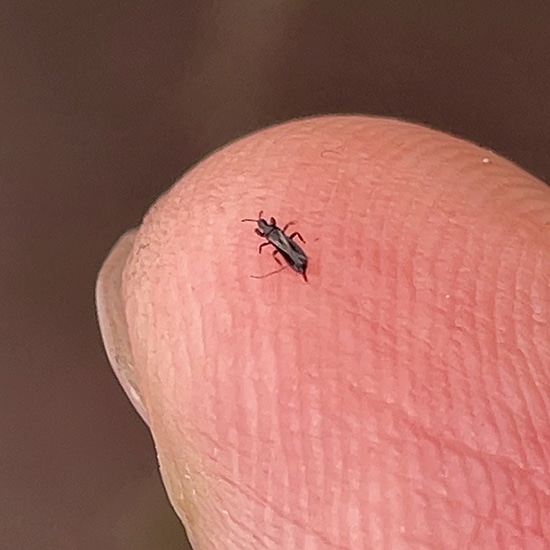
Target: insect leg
{"points": [[296, 234], [261, 246], [260, 233], [288, 225], [275, 252]]}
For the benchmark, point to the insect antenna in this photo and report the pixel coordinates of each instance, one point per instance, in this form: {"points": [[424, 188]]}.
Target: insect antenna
{"points": [[268, 274]]}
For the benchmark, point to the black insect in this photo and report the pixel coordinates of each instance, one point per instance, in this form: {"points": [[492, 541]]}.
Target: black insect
{"points": [[284, 244]]}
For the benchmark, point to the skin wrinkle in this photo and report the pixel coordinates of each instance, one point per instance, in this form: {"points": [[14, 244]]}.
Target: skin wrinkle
{"points": [[461, 451], [280, 514], [386, 365], [523, 352]]}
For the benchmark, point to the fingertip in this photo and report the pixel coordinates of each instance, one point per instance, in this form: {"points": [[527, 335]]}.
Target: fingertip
{"points": [[391, 346]]}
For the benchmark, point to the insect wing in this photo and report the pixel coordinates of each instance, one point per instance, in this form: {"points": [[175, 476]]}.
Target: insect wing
{"points": [[292, 252], [297, 251]]}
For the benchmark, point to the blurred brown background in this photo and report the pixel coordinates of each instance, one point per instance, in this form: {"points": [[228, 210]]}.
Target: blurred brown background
{"points": [[103, 105]]}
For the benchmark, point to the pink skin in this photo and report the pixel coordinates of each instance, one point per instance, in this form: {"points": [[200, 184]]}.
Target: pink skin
{"points": [[400, 399]]}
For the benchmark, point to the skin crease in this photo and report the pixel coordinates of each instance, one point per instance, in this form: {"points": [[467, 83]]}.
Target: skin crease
{"points": [[400, 399]]}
